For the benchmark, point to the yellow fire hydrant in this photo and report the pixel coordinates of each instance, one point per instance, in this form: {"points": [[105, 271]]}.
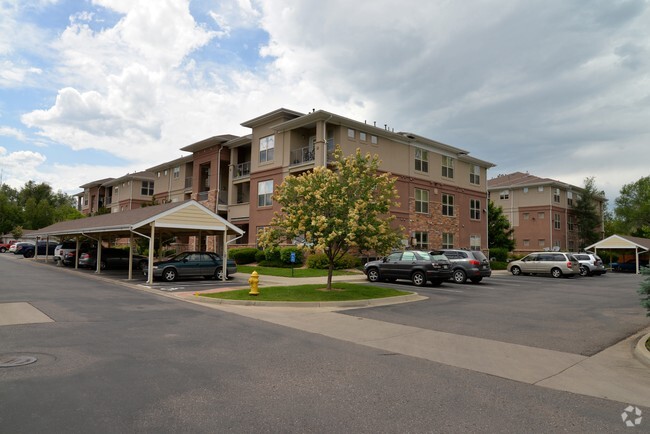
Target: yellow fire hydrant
{"points": [[254, 282]]}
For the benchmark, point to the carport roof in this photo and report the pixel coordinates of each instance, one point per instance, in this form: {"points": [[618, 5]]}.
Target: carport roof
{"points": [[177, 217], [621, 242]]}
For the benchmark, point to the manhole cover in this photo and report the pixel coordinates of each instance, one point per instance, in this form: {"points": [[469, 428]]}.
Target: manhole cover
{"points": [[13, 361]]}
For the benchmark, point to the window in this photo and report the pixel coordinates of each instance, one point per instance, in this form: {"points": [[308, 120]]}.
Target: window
{"points": [[267, 146], [147, 188], [556, 195], [569, 198], [265, 193], [572, 245], [541, 242], [373, 140], [475, 242], [540, 215], [526, 216], [421, 201], [540, 188], [176, 172], [362, 136], [421, 160], [166, 172], [448, 205], [421, 240], [474, 174], [505, 194], [556, 243], [447, 167], [447, 240], [526, 243], [525, 189], [570, 224], [556, 221], [475, 209], [86, 199], [158, 174], [351, 133]]}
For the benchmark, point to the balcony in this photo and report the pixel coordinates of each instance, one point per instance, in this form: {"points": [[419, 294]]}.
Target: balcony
{"points": [[203, 195], [242, 170], [188, 182], [302, 155]]}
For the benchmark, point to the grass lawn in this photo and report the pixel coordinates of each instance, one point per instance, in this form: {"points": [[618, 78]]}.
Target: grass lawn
{"points": [[286, 272], [341, 292]]}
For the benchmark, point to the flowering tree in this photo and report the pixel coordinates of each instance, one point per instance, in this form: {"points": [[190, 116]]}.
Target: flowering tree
{"points": [[337, 209]]}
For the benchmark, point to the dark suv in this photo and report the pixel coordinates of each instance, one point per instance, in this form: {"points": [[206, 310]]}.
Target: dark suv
{"points": [[417, 266], [468, 264]]}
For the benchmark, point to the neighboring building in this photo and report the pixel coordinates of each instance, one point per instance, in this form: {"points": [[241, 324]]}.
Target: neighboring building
{"points": [[129, 191], [173, 180], [93, 196], [540, 211]]}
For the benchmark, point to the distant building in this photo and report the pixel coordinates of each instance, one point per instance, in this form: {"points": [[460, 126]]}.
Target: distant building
{"points": [[540, 211]]}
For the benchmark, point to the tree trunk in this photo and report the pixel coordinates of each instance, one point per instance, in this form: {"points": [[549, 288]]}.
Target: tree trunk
{"points": [[330, 271]]}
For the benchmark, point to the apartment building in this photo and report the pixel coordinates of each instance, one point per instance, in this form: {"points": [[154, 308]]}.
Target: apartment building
{"points": [[442, 189], [129, 191], [93, 196], [540, 211]]}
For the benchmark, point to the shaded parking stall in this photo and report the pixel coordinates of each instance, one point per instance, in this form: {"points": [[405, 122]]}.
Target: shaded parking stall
{"points": [[188, 218]]}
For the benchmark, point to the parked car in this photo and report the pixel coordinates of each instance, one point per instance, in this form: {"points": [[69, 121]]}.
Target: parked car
{"points": [[17, 248], [42, 248], [417, 266], [629, 265], [468, 264], [111, 258], [69, 246], [557, 264], [191, 264], [590, 264], [4, 247]]}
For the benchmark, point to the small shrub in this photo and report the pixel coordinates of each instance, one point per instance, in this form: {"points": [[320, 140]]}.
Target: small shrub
{"points": [[498, 265], [285, 255], [260, 256], [499, 253], [318, 261], [272, 254], [243, 255]]}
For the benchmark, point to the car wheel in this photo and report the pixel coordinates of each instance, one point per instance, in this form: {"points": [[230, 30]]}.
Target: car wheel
{"points": [[2, 250], [218, 274], [516, 271], [418, 278], [169, 274], [476, 279], [584, 271], [373, 275], [556, 272], [29, 254], [459, 276]]}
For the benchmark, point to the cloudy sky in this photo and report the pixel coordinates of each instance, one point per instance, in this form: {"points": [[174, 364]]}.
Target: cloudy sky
{"points": [[98, 88]]}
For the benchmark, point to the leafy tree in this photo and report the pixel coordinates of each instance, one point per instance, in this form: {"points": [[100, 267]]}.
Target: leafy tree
{"points": [[644, 289], [336, 209], [17, 232], [499, 230], [10, 215], [633, 207], [587, 218]]}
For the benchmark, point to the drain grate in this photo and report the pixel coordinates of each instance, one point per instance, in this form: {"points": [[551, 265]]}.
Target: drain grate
{"points": [[13, 361]]}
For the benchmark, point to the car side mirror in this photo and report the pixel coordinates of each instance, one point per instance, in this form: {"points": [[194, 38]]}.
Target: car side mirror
{"points": [[384, 259]]}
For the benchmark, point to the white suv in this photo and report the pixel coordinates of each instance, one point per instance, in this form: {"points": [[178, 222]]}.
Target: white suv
{"points": [[590, 264]]}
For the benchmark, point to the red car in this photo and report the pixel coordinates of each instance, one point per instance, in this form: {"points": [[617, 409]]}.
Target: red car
{"points": [[4, 247]]}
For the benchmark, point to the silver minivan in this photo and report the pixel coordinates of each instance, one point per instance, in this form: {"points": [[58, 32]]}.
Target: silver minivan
{"points": [[557, 264]]}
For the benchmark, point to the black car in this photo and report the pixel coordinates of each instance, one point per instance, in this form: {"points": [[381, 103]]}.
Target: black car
{"points": [[20, 246], [417, 266], [111, 258], [43, 248], [192, 264]]}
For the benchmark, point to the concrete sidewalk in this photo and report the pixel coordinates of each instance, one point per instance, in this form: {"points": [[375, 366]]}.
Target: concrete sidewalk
{"points": [[613, 374]]}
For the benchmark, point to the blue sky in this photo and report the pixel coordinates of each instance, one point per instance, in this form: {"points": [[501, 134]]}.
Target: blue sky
{"points": [[99, 88]]}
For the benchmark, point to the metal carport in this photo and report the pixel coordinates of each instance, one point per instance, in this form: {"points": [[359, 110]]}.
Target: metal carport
{"points": [[620, 242], [170, 219]]}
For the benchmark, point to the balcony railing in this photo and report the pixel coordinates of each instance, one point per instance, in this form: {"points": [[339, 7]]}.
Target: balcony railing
{"points": [[203, 195], [242, 170], [302, 155], [188, 182]]}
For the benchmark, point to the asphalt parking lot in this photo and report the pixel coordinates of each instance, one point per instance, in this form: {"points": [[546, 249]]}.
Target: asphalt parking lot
{"points": [[580, 315]]}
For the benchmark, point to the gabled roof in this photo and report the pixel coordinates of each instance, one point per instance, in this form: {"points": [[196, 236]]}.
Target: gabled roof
{"points": [[206, 143], [621, 242], [172, 163], [175, 218], [521, 179], [95, 183], [137, 176]]}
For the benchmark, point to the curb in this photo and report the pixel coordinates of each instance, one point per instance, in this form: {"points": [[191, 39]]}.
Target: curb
{"points": [[352, 303], [641, 351]]}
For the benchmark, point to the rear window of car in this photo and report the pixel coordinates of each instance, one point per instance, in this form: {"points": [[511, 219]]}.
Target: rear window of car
{"points": [[479, 255], [581, 257]]}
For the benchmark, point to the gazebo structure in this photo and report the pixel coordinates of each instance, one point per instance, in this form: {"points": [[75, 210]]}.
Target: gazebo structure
{"points": [[623, 242]]}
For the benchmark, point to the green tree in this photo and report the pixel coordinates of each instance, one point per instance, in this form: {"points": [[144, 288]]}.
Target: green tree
{"points": [[499, 230], [10, 215], [644, 289], [17, 232], [336, 209], [633, 207], [587, 218]]}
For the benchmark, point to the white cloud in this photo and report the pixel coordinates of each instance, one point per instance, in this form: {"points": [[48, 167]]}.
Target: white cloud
{"points": [[12, 132]]}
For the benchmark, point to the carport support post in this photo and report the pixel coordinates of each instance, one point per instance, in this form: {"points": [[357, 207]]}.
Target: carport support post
{"points": [[76, 253], [130, 257], [225, 255], [151, 248], [99, 255]]}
